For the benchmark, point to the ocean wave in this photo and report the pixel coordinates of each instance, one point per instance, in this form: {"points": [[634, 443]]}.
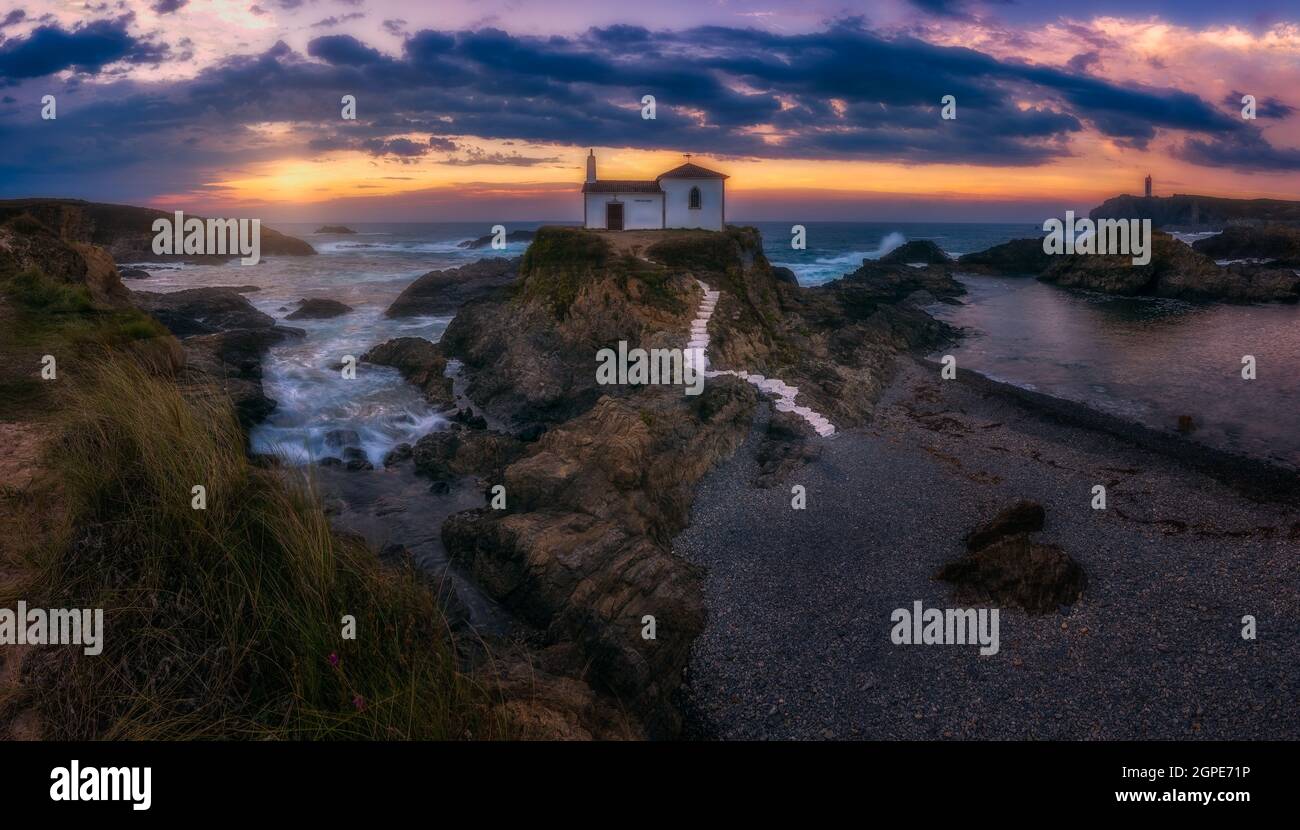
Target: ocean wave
{"points": [[827, 268]]}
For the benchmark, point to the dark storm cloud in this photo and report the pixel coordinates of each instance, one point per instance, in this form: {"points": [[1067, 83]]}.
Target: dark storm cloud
{"points": [[1264, 108], [842, 93], [168, 6], [1245, 151], [84, 48]]}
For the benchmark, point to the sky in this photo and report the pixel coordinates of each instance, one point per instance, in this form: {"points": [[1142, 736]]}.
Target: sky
{"points": [[484, 110]]}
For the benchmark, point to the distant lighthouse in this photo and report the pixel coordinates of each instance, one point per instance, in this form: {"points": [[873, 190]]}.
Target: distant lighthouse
{"points": [[1148, 185]]}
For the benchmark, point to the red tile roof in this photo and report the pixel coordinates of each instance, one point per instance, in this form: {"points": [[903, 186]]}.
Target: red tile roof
{"points": [[621, 186], [691, 171]]}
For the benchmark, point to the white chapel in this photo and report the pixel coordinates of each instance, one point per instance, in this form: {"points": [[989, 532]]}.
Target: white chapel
{"points": [[688, 196]]}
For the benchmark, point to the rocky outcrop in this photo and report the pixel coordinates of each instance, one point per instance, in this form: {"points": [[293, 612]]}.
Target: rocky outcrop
{"points": [[338, 229], [1191, 212], [1017, 258], [319, 309], [918, 250], [28, 244], [441, 293], [486, 240], [126, 232], [1175, 270], [462, 451], [225, 339], [1277, 244], [530, 357], [202, 310], [582, 550], [421, 363]]}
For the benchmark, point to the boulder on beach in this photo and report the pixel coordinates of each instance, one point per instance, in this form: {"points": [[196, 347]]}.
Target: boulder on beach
{"points": [[1017, 571], [319, 309], [441, 293], [134, 273], [1003, 565], [1022, 516]]}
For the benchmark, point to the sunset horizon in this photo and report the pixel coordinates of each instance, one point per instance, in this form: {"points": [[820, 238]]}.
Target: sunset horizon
{"points": [[487, 115]]}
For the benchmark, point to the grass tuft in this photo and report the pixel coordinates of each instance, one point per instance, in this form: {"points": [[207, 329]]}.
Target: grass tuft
{"points": [[223, 622]]}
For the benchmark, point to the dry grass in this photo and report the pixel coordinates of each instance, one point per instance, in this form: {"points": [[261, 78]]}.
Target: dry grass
{"points": [[223, 622]]}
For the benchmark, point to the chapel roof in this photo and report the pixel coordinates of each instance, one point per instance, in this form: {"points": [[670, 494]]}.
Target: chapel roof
{"points": [[691, 171], [622, 186]]}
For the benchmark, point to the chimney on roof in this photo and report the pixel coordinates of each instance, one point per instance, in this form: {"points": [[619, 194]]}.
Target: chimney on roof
{"points": [[591, 166]]}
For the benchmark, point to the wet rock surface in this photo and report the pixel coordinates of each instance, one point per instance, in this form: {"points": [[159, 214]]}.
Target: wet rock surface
{"points": [[421, 363], [319, 309], [440, 293], [225, 339]]}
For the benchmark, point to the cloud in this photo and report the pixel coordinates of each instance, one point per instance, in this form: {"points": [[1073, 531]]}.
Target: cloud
{"points": [[1264, 108], [1245, 152], [168, 6], [86, 48], [842, 93]]}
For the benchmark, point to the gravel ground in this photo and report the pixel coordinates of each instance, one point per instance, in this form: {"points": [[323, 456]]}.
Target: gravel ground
{"points": [[798, 646]]}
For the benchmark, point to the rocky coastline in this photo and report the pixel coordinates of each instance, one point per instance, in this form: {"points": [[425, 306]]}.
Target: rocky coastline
{"points": [[600, 482]]}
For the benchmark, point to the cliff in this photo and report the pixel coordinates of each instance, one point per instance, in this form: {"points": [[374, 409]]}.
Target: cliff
{"points": [[1186, 211], [124, 231]]}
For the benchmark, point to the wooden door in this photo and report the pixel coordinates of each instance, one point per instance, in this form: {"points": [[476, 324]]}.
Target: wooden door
{"points": [[614, 216]]}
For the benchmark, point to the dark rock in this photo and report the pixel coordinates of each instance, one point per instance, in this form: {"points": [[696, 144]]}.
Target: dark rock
{"points": [[339, 438], [1022, 516], [1188, 211], [469, 419], [441, 293], [354, 458], [319, 309], [785, 275], [1017, 258], [334, 229], [788, 443], [918, 250], [134, 273], [330, 461], [398, 454], [448, 454], [216, 308], [420, 363], [486, 240], [1279, 243], [1016, 571]]}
